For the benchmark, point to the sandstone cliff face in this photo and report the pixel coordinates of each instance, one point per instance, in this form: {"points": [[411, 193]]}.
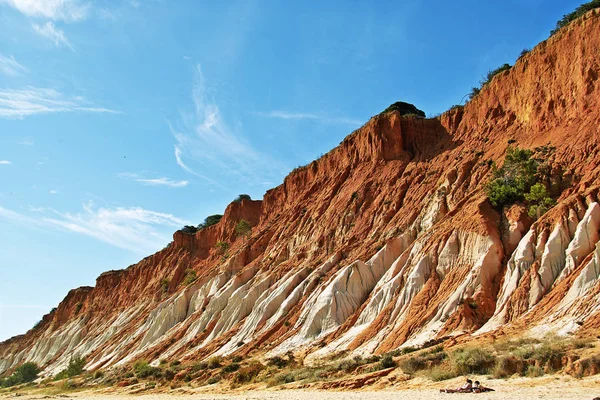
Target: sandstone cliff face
{"points": [[386, 241]]}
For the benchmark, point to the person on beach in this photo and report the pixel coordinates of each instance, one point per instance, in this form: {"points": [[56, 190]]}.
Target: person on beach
{"points": [[466, 388], [479, 388]]}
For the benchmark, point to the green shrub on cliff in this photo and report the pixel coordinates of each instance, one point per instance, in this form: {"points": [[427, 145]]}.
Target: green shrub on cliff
{"points": [[243, 228], [210, 221], [222, 248], [474, 92], [242, 197], [524, 52], [487, 79], [144, 370], [539, 200], [579, 11], [190, 277], [404, 109], [74, 368], [518, 180], [514, 178], [491, 74], [164, 285], [387, 362], [215, 362], [188, 229]]}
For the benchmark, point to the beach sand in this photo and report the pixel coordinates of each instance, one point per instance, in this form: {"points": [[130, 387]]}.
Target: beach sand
{"points": [[557, 387]]}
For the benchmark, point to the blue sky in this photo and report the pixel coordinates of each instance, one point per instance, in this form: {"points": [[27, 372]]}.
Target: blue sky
{"points": [[121, 121]]}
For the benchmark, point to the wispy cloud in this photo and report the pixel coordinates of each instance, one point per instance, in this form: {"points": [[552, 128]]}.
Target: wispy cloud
{"points": [[179, 160], [22, 103], [53, 191], [63, 10], [49, 31], [309, 116], [5, 162], [210, 128], [134, 228], [162, 181], [9, 66], [204, 140], [52, 11], [287, 115], [13, 216], [26, 142]]}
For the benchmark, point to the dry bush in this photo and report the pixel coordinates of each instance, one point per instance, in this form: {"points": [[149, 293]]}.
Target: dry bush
{"points": [[472, 361], [249, 373]]}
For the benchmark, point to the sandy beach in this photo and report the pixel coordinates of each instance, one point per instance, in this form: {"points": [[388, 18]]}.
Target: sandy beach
{"points": [[557, 387]]}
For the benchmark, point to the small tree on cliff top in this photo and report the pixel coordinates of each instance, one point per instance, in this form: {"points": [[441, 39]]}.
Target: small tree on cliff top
{"points": [[242, 197], [188, 229], [210, 221]]}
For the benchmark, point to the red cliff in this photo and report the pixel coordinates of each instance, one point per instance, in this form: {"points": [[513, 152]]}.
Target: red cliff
{"points": [[386, 241]]}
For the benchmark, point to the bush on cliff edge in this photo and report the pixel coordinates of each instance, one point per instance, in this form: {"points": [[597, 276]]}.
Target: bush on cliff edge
{"points": [[404, 109], [579, 11]]}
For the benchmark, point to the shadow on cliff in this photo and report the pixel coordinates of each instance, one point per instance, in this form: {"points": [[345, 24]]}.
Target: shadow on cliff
{"points": [[425, 139]]}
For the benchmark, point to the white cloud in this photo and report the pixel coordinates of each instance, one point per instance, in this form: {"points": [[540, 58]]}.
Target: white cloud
{"points": [[162, 181], [64, 10], [204, 140], [133, 228], [22, 103], [9, 66], [57, 36], [26, 142], [211, 129], [5, 162], [308, 116], [53, 191], [179, 161], [14, 216], [288, 115]]}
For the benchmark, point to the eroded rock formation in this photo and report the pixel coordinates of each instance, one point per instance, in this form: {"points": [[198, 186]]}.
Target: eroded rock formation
{"points": [[386, 241]]}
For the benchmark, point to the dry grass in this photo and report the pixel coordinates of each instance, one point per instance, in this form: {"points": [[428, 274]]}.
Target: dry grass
{"points": [[529, 357], [502, 359]]}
